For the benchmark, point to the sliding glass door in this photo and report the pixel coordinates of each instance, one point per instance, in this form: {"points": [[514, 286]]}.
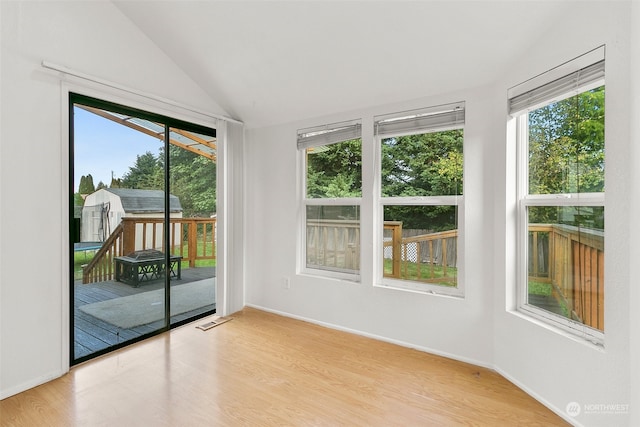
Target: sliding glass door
{"points": [[143, 224]]}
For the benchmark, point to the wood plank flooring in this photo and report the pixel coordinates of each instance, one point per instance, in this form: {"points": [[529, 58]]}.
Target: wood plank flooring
{"points": [[260, 369]]}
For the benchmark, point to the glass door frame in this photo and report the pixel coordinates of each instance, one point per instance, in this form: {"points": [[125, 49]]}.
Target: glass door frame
{"points": [[73, 98]]}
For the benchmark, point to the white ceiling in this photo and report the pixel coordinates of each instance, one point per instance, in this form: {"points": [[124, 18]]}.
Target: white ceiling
{"points": [[270, 62]]}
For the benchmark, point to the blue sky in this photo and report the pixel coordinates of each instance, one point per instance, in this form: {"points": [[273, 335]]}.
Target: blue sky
{"points": [[103, 146]]}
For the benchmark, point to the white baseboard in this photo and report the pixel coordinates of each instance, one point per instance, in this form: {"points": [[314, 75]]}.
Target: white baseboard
{"points": [[375, 337], [30, 384], [518, 384], [559, 412]]}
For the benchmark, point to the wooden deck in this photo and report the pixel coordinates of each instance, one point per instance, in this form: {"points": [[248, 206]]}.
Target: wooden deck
{"points": [[92, 334]]}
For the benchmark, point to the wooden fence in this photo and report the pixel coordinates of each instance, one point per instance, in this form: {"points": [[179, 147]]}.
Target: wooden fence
{"points": [[191, 238], [572, 261]]}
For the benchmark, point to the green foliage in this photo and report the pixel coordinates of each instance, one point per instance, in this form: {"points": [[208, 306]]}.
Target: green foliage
{"points": [[115, 183], [147, 173], [429, 164], [86, 185], [335, 170], [566, 148], [193, 180], [78, 200], [540, 288]]}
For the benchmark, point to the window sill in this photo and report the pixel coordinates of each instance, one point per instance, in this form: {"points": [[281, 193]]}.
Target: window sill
{"points": [[557, 326], [455, 293], [330, 275]]}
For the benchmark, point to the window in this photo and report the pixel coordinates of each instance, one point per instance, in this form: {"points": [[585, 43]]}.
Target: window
{"points": [[421, 187], [561, 146], [332, 197]]}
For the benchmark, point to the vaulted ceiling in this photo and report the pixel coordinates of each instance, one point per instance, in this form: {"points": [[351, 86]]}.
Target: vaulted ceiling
{"points": [[270, 62]]}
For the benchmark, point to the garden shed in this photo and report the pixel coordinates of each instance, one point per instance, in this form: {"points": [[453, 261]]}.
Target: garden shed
{"points": [[104, 209]]}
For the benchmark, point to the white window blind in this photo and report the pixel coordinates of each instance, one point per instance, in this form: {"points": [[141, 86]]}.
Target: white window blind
{"points": [[329, 134], [576, 76], [443, 117]]}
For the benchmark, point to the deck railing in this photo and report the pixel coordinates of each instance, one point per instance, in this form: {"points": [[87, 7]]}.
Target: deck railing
{"points": [[333, 244], [191, 238], [416, 257], [571, 259]]}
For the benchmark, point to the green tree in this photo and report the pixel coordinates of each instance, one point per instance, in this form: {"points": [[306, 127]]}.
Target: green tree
{"points": [[86, 185], [429, 164], [335, 170], [115, 183], [566, 150], [78, 200], [193, 181], [147, 173]]}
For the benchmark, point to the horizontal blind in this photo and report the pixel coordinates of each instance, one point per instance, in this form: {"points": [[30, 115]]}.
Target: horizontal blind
{"points": [[449, 116], [329, 134], [583, 79]]}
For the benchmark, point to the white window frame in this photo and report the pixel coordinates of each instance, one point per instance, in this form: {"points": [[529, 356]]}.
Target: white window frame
{"points": [[416, 122], [314, 137], [519, 114]]}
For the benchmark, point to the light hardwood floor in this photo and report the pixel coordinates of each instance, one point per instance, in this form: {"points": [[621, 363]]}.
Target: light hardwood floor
{"points": [[260, 369]]}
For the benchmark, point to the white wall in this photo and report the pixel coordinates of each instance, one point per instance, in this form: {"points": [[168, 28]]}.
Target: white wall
{"points": [[634, 208], [96, 39], [553, 367], [414, 319], [548, 364]]}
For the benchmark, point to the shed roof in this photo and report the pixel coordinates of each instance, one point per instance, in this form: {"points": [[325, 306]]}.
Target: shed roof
{"points": [[139, 201]]}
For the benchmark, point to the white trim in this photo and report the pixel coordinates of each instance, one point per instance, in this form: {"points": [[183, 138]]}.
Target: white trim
{"points": [[27, 385], [347, 201], [329, 134], [445, 200], [568, 199], [557, 323], [427, 350], [328, 273], [375, 337], [222, 232], [422, 287], [106, 83], [562, 414], [117, 96], [564, 326], [422, 201], [130, 98], [304, 201], [423, 120], [569, 67], [65, 255]]}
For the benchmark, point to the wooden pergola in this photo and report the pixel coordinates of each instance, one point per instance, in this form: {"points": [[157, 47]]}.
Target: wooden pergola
{"points": [[203, 145]]}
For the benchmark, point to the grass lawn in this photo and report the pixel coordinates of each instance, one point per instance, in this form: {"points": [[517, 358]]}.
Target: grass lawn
{"points": [[540, 288], [409, 271], [546, 290]]}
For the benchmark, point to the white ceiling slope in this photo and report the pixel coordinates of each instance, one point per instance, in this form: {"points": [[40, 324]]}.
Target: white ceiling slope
{"points": [[271, 62]]}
